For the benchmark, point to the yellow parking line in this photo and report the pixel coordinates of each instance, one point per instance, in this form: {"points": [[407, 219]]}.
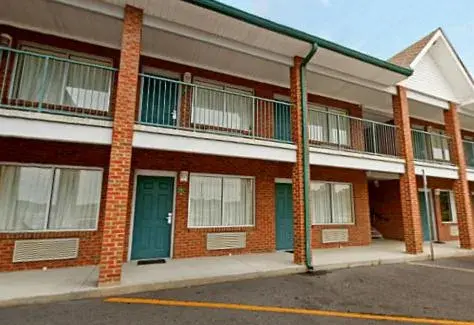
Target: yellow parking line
{"points": [[314, 312]]}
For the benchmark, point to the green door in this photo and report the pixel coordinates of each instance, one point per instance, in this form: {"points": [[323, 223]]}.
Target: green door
{"points": [[420, 148], [151, 226], [424, 215], [284, 216], [159, 101], [282, 122]]}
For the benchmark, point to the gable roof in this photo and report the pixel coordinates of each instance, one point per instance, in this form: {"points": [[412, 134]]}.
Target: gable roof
{"points": [[405, 57]]}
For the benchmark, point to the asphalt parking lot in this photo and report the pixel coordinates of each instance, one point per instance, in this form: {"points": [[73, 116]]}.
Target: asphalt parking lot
{"points": [[440, 292]]}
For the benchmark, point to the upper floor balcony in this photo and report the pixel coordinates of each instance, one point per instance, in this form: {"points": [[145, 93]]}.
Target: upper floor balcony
{"points": [[338, 139], [56, 82]]}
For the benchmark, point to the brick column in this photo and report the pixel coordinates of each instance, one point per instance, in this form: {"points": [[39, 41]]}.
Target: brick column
{"points": [[118, 182], [298, 176], [461, 186], [408, 189]]}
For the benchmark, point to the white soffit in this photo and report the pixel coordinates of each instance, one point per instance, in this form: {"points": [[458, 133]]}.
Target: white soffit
{"points": [[439, 73], [209, 56], [427, 112], [219, 25], [61, 19]]}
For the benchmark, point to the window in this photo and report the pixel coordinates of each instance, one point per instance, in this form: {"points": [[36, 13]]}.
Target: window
{"points": [[48, 198], [439, 145], [448, 209], [222, 106], [331, 203], [216, 201], [329, 125], [58, 81], [469, 151]]}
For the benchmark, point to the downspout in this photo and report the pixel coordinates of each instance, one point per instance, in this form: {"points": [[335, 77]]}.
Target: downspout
{"points": [[304, 132]]}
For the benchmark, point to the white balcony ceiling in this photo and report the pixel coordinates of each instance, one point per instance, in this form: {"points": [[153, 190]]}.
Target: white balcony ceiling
{"points": [[60, 19]]}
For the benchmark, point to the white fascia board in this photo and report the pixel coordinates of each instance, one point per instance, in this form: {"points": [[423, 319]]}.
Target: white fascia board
{"points": [[470, 175], [436, 170], [58, 128], [427, 99], [422, 53], [354, 160], [156, 138]]}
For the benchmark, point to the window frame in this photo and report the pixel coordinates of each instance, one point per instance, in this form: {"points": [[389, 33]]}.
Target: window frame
{"points": [[49, 50], [222, 176], [53, 167], [331, 183], [330, 110], [452, 207], [210, 84]]}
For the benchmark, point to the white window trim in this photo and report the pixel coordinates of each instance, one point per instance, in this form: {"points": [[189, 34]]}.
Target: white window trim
{"points": [[53, 167], [452, 207], [335, 111], [224, 176], [352, 205]]}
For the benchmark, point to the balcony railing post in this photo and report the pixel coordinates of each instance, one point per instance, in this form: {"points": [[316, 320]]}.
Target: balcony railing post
{"points": [[42, 91]]}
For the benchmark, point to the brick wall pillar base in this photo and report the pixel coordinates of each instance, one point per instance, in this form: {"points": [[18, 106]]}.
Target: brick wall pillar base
{"points": [[297, 175], [412, 232], [461, 186], [118, 182]]}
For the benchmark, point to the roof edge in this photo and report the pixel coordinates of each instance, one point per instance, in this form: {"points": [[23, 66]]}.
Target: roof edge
{"points": [[297, 34]]}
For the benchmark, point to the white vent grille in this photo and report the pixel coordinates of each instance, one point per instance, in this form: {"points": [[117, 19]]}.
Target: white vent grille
{"points": [[45, 249], [335, 235], [454, 230], [226, 240]]}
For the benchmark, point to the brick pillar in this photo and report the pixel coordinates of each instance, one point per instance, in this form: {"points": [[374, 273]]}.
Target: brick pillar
{"points": [[461, 186], [298, 176], [408, 189], [118, 182], [357, 129]]}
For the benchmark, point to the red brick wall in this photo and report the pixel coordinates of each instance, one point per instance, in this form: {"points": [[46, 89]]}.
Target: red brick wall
{"points": [[192, 242], [54, 153], [359, 233], [385, 204]]}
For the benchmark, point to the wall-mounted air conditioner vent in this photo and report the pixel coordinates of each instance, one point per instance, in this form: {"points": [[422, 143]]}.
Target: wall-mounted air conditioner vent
{"points": [[45, 249], [226, 240]]}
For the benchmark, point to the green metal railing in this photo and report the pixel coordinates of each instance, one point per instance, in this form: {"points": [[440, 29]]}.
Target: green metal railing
{"points": [[171, 103], [53, 84], [469, 152], [431, 146], [333, 130]]}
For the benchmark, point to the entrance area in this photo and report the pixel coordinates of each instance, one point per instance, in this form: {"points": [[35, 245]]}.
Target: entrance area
{"points": [[425, 213], [284, 216], [152, 218]]}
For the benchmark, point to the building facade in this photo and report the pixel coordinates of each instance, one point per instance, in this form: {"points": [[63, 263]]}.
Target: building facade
{"points": [[137, 132]]}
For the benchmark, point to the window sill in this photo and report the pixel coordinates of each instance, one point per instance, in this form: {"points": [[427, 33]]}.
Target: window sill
{"points": [[221, 228], [333, 224], [40, 232]]}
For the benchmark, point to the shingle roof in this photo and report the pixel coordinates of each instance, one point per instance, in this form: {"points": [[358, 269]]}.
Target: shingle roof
{"points": [[406, 57]]}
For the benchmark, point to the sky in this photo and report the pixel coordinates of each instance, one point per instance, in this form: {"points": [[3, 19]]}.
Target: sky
{"points": [[377, 27]]}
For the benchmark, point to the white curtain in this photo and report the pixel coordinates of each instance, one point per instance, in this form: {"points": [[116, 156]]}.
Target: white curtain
{"points": [[38, 82], [318, 125], [237, 202], [222, 109], [341, 203], [24, 197], [87, 86], [338, 127], [205, 201], [76, 199], [320, 204]]}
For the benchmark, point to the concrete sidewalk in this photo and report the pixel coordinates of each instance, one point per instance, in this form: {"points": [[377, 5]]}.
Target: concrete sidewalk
{"points": [[39, 286]]}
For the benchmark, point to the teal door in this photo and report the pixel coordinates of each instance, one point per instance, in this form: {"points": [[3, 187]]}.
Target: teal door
{"points": [[424, 215], [159, 101], [284, 216], [420, 148], [151, 227], [282, 122]]}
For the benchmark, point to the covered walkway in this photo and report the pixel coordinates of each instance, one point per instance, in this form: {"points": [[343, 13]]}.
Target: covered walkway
{"points": [[81, 282]]}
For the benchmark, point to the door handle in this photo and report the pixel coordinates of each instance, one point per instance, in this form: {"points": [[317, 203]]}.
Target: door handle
{"points": [[169, 217]]}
